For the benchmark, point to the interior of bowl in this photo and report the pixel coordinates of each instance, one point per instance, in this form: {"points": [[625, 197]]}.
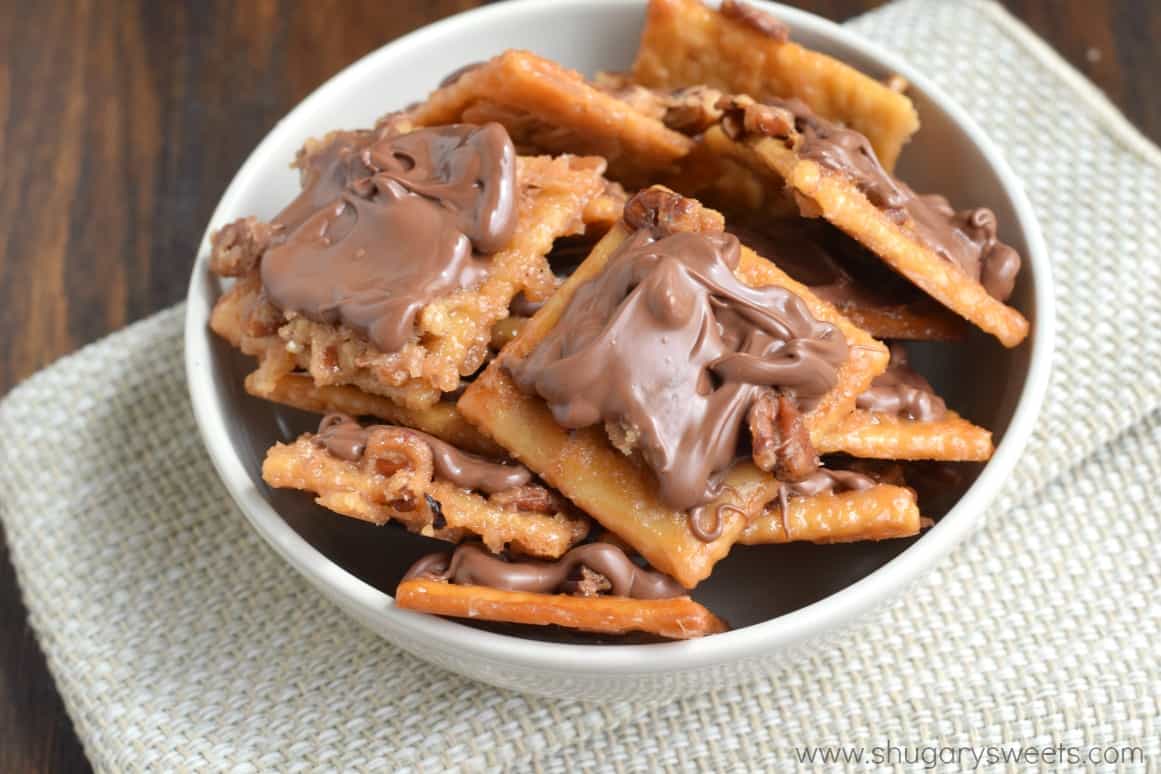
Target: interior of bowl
{"points": [[979, 378]]}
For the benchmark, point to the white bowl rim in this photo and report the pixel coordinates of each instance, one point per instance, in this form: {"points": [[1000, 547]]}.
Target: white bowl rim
{"points": [[832, 612]]}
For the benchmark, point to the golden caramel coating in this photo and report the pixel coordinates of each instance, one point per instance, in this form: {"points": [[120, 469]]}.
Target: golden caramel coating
{"points": [[881, 512], [679, 618], [838, 199], [887, 437], [547, 108], [454, 331], [685, 43], [617, 490], [394, 481]]}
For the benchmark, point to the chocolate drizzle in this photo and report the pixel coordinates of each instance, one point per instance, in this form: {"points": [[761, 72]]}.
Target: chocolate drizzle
{"points": [[471, 565], [836, 147], [343, 437], [669, 349], [821, 481], [966, 238], [386, 224], [827, 481], [707, 522], [902, 392]]}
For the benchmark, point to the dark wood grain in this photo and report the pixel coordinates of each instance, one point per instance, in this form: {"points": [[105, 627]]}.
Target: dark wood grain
{"points": [[121, 124]]}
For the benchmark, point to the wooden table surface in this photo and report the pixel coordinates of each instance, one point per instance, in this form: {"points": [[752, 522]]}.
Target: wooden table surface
{"points": [[121, 124]]}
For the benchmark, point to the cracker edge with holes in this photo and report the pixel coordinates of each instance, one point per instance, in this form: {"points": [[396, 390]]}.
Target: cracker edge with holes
{"points": [[678, 618], [879, 513], [883, 436]]}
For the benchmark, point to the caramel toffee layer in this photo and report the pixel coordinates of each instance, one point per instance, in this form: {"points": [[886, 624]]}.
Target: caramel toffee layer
{"points": [[343, 437], [670, 350], [385, 224], [619, 576], [902, 392], [965, 237]]}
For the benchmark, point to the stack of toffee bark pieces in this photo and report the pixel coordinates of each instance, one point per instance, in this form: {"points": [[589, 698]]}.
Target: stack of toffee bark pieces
{"points": [[596, 332]]}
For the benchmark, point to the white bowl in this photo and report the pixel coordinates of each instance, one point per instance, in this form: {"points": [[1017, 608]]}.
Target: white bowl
{"points": [[806, 592]]}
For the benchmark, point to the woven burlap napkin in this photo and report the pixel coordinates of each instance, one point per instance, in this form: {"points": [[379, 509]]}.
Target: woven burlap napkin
{"points": [[178, 640]]}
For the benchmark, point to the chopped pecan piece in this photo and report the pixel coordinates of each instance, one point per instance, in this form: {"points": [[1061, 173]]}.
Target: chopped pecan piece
{"points": [[781, 442], [592, 583], [530, 499], [664, 212], [742, 116], [693, 110], [236, 247]]}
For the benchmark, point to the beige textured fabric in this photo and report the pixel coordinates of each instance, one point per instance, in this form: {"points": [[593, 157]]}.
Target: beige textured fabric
{"points": [[180, 642]]}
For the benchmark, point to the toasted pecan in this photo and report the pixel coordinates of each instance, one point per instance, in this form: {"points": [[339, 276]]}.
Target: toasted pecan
{"points": [[531, 498], [781, 440], [236, 247], [664, 212]]}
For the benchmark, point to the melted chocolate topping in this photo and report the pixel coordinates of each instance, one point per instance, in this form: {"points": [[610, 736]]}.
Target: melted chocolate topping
{"points": [[902, 392], [670, 347], [845, 150], [325, 175], [343, 437], [385, 225], [471, 565], [966, 238]]}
